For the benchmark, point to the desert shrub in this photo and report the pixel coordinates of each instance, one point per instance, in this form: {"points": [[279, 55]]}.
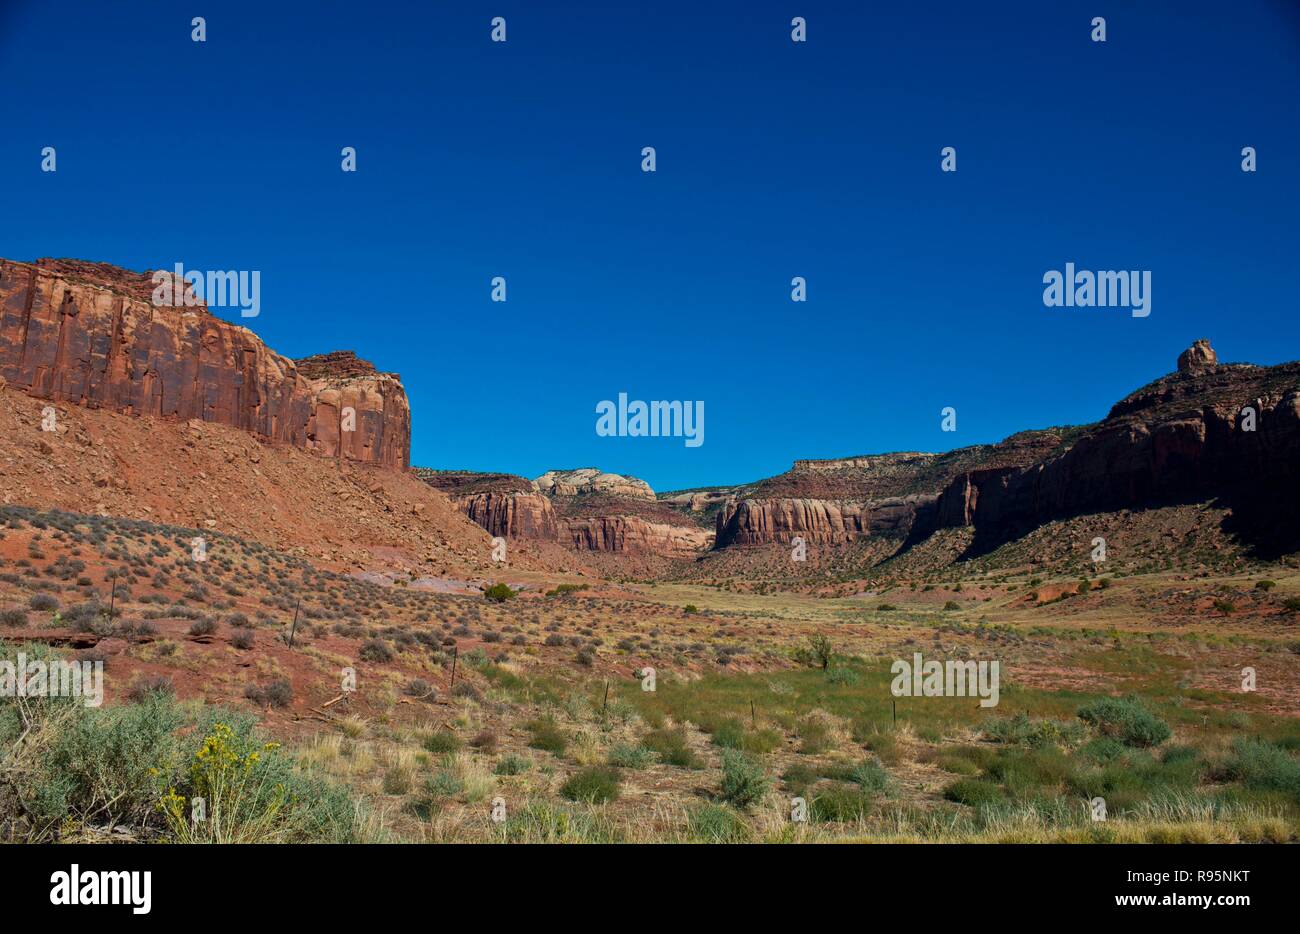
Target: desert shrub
{"points": [[743, 779], [465, 689], [277, 692], [839, 803], [499, 593], [713, 823], [375, 650], [1262, 765], [442, 741], [817, 653], [238, 620], [547, 736], [1225, 606], [630, 757], [690, 609], [841, 676], [561, 589], [484, 741], [397, 780], [512, 765], [43, 602], [419, 688], [95, 763], [869, 775], [798, 778], [1265, 585], [1291, 604], [1126, 719], [815, 734], [595, 784], [203, 627], [952, 605], [973, 792], [445, 783], [1021, 730], [242, 639], [13, 617], [731, 734], [1102, 750], [671, 748], [254, 793], [141, 688]]}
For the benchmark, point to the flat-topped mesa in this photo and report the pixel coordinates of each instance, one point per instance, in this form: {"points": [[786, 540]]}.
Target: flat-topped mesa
{"points": [[89, 334]]}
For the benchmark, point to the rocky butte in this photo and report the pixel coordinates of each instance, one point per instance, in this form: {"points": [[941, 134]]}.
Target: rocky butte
{"points": [[89, 334]]}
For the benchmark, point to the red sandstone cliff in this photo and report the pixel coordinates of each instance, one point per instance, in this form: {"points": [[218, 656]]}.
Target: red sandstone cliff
{"points": [[89, 334]]}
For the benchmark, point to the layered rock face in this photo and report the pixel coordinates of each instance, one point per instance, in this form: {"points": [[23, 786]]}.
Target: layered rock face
{"points": [[89, 334], [761, 521], [634, 535], [587, 510], [358, 413], [512, 515]]}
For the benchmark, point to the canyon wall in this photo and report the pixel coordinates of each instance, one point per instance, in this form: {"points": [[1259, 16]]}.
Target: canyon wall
{"points": [[89, 334], [633, 535]]}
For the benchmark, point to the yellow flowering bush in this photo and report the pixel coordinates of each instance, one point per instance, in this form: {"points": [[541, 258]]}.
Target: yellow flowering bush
{"points": [[242, 787]]}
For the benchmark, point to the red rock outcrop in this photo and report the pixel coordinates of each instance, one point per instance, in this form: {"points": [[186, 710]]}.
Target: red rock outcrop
{"points": [[512, 515], [760, 521], [634, 535], [358, 413], [586, 510], [89, 334]]}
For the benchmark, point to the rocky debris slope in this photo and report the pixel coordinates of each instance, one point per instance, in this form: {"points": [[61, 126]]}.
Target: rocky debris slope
{"points": [[219, 479], [89, 334]]}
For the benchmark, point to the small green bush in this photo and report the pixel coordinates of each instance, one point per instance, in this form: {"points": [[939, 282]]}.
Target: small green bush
{"points": [[547, 736], [839, 804], [714, 823], [442, 741], [743, 779], [631, 757], [1125, 719], [512, 765], [595, 784], [671, 747], [499, 593], [973, 792]]}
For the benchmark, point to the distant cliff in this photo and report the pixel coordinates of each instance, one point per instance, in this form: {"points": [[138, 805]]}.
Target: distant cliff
{"points": [[89, 334]]}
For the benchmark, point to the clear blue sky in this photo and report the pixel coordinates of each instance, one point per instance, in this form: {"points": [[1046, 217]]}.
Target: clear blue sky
{"points": [[775, 159]]}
